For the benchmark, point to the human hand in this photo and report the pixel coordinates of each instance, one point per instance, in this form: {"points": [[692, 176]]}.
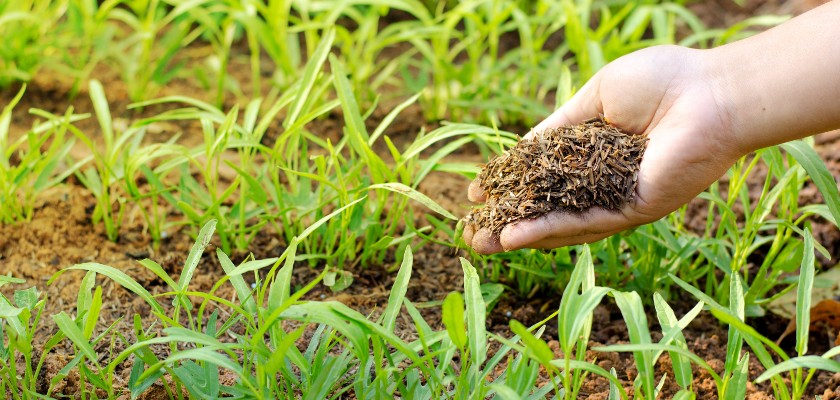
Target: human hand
{"points": [[665, 92]]}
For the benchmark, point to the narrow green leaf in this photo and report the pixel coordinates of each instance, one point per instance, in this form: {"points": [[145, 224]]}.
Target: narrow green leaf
{"points": [[243, 291], [159, 271], [196, 251], [83, 298], [808, 158], [812, 362], [398, 290], [414, 195], [117, 276], [92, 315], [668, 320], [390, 118], [5, 280], [103, 113], [633, 312], [536, 346], [803, 295], [614, 389], [736, 309], [453, 319], [317, 224], [476, 325], [736, 388], [66, 325], [310, 73]]}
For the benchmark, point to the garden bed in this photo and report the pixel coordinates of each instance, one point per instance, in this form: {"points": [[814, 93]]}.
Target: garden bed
{"points": [[61, 234]]}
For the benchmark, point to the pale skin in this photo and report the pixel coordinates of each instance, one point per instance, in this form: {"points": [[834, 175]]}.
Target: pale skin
{"points": [[702, 110]]}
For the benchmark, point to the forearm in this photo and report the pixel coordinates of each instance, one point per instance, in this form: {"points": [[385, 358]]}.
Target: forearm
{"points": [[782, 84]]}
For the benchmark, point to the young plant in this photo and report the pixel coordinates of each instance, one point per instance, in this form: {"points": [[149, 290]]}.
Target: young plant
{"points": [[798, 377], [157, 31], [25, 26], [86, 34], [21, 320], [102, 179], [733, 380], [646, 353], [219, 23], [32, 163], [574, 319], [148, 200], [348, 353], [80, 332]]}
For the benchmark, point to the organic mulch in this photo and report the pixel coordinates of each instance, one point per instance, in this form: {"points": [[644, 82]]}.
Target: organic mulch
{"points": [[592, 164]]}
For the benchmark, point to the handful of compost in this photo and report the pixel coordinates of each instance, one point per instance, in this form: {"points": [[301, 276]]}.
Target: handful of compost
{"points": [[593, 164]]}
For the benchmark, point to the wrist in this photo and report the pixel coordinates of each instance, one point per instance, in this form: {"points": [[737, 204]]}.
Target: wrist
{"points": [[729, 92], [723, 84], [779, 86]]}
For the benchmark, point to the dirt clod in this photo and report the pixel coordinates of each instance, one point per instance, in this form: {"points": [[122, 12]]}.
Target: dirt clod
{"points": [[593, 164]]}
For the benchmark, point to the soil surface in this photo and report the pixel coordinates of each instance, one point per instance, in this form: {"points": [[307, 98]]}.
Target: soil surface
{"points": [[61, 234]]}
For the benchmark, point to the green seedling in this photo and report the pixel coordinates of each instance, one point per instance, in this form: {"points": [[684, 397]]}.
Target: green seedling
{"points": [[733, 380], [33, 163], [25, 26], [266, 358], [146, 53], [103, 178], [22, 319]]}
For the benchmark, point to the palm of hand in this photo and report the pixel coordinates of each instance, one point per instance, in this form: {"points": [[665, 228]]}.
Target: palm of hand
{"points": [[660, 92]]}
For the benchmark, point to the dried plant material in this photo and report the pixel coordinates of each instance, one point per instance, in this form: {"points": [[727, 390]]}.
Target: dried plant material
{"points": [[593, 164], [824, 315], [829, 288]]}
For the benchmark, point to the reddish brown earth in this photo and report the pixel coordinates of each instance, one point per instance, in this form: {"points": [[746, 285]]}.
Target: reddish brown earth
{"points": [[60, 234]]}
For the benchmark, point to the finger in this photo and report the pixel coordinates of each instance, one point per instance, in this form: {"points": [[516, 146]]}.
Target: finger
{"points": [[476, 193], [594, 222], [485, 242], [468, 233], [585, 104], [556, 243]]}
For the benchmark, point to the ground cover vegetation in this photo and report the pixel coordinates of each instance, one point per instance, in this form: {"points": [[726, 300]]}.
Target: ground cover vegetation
{"points": [[249, 86]]}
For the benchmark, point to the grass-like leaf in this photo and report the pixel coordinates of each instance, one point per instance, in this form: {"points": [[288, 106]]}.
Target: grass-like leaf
{"points": [[803, 295], [633, 311], [415, 195], [398, 290], [476, 326], [808, 158], [814, 362], [736, 388], [452, 314], [533, 344], [117, 276], [681, 365]]}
